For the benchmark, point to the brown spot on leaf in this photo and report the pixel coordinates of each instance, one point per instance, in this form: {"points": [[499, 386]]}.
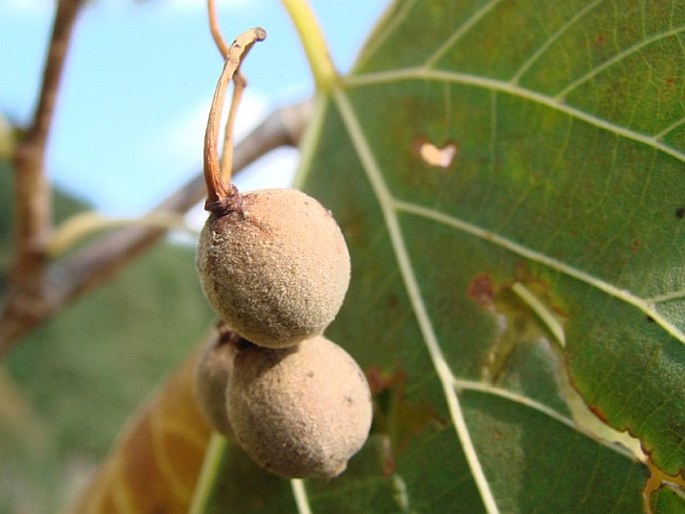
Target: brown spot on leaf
{"points": [[397, 419], [597, 411], [380, 381], [680, 213], [600, 39], [482, 290]]}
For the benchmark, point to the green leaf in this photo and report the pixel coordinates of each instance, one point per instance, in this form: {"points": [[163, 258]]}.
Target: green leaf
{"points": [[558, 217], [510, 179], [668, 500], [241, 486]]}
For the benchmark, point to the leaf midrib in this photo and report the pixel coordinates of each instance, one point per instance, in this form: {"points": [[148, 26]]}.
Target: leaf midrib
{"points": [[438, 359], [390, 208]]}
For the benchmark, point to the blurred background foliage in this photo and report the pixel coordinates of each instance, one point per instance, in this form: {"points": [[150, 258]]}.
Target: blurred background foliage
{"points": [[68, 388]]}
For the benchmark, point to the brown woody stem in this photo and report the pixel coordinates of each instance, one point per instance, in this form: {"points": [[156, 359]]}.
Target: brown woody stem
{"points": [[33, 197], [99, 261], [27, 283], [217, 191], [239, 84]]}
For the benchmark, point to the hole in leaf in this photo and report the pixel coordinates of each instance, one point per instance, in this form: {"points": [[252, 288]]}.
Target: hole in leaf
{"points": [[438, 157]]}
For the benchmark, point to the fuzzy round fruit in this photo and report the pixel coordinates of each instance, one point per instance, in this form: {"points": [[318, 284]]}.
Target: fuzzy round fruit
{"points": [[211, 379], [276, 268], [302, 411]]}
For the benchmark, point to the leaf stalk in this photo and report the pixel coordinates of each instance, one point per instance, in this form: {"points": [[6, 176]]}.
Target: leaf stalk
{"points": [[314, 43]]}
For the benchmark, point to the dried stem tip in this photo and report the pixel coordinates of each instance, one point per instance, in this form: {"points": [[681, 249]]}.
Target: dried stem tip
{"points": [[218, 193]]}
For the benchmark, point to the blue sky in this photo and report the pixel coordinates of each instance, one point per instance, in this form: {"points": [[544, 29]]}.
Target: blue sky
{"points": [[139, 78]]}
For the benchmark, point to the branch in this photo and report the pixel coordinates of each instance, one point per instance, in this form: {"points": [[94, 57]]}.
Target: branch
{"points": [[33, 196], [99, 261]]}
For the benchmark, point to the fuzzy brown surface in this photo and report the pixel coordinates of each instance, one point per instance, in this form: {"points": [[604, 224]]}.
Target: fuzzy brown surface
{"points": [[302, 411], [210, 380], [277, 270]]}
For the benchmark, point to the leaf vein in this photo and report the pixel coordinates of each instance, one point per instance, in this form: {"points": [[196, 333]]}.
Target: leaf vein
{"points": [[540, 258], [617, 58], [461, 30], [513, 90], [374, 44], [666, 297], [471, 385], [443, 370], [301, 498], [670, 128], [552, 39]]}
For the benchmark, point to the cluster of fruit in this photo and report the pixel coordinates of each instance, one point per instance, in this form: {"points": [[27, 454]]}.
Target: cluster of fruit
{"points": [[275, 268]]}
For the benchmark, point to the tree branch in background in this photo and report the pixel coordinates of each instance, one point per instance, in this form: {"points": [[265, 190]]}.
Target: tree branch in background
{"points": [[33, 198], [100, 260]]}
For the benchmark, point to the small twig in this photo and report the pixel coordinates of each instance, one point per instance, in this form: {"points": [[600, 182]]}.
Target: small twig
{"points": [[103, 258], [239, 85], [217, 189], [87, 223], [215, 30]]}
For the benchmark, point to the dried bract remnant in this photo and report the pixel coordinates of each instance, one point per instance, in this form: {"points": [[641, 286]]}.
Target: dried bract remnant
{"points": [[275, 268], [302, 411]]}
